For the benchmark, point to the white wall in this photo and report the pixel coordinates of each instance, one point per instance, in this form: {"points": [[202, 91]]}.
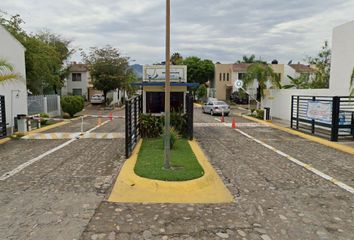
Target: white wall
{"points": [[342, 59], [15, 91], [342, 66]]}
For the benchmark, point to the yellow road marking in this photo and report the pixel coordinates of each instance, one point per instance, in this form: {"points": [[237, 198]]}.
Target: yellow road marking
{"points": [[207, 189]]}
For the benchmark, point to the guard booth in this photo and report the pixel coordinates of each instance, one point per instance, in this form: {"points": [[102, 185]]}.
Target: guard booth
{"points": [[153, 88]]}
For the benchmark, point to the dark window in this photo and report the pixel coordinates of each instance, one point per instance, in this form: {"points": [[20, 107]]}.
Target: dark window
{"points": [[223, 77], [241, 76], [77, 91], [76, 77], [227, 76], [155, 102], [220, 76]]}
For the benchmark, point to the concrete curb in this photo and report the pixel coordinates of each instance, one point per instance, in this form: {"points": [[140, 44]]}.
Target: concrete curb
{"points": [[207, 189]]}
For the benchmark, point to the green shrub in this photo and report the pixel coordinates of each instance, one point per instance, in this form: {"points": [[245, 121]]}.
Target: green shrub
{"points": [[72, 104], [44, 121], [259, 114], [150, 126]]}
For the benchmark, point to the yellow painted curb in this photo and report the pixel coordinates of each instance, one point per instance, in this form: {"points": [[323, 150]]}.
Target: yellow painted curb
{"points": [[207, 189], [325, 142], [48, 127], [198, 105], [4, 140]]}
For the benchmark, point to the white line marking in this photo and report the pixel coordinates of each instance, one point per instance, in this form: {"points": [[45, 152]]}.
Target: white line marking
{"points": [[304, 165], [36, 159]]}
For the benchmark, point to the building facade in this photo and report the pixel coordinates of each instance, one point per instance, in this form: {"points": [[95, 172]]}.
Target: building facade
{"points": [[15, 91]]}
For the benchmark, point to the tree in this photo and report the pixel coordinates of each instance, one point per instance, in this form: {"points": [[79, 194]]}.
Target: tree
{"points": [[323, 67], [262, 73], [175, 58], [45, 56], [6, 71], [109, 70], [198, 71], [202, 91], [301, 82], [250, 59]]}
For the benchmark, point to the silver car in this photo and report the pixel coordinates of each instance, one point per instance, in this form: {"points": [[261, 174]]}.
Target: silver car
{"points": [[216, 107]]}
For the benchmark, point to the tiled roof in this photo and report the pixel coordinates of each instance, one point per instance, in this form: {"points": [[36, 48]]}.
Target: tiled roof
{"points": [[79, 67], [302, 68]]}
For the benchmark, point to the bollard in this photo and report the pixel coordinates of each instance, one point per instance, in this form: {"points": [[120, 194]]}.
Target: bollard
{"points": [[266, 116], [222, 116]]}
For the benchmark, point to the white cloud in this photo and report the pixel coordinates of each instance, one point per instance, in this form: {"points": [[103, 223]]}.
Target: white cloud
{"points": [[221, 30]]}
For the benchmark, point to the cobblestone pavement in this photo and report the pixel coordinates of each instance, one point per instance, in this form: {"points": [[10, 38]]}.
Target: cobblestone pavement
{"points": [[55, 197], [276, 199]]}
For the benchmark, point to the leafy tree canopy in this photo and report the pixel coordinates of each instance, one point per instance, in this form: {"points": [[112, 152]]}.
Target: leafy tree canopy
{"points": [[250, 59], [108, 68], [323, 67], [198, 70], [175, 58], [45, 55]]}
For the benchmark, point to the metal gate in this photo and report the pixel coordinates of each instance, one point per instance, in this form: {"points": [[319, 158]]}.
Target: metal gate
{"points": [[329, 117], [133, 109], [2, 117]]}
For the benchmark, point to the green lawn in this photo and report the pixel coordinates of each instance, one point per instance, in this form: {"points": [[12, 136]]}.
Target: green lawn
{"points": [[151, 158]]}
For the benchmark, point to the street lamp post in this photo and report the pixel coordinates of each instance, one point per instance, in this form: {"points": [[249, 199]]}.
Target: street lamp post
{"points": [[167, 136]]}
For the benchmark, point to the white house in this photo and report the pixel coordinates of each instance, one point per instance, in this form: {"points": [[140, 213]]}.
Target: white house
{"points": [[342, 63], [78, 82], [15, 91]]}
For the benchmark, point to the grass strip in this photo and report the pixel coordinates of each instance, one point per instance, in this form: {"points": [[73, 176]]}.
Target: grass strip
{"points": [[185, 165]]}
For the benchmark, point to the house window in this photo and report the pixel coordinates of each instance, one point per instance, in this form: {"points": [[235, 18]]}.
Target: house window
{"points": [[241, 76], [223, 77], [278, 76], [77, 91], [76, 77], [220, 76], [155, 102], [227, 76]]}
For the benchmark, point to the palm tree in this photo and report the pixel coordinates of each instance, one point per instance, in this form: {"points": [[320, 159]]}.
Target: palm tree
{"points": [[301, 82], [176, 58], [6, 71], [262, 73]]}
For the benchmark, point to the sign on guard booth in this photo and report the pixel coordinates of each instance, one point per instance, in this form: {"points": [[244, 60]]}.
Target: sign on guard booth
{"points": [[157, 73]]}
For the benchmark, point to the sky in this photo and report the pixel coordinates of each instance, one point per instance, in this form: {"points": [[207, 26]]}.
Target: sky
{"points": [[220, 30]]}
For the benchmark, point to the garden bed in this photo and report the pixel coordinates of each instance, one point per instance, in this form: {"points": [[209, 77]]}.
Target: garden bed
{"points": [[150, 162]]}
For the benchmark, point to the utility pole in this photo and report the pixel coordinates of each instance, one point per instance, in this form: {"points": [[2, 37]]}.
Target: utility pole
{"points": [[167, 136]]}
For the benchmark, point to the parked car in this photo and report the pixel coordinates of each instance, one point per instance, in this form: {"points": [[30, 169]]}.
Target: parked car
{"points": [[216, 107], [97, 99]]}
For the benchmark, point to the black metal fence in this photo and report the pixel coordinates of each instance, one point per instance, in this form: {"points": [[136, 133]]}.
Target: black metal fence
{"points": [[2, 117], [190, 115], [133, 109], [329, 117]]}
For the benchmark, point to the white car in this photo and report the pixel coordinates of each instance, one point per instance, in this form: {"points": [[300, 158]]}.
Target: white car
{"points": [[97, 99], [216, 107]]}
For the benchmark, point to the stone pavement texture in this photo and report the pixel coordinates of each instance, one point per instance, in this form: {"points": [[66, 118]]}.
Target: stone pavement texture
{"points": [[63, 196], [276, 199], [56, 197]]}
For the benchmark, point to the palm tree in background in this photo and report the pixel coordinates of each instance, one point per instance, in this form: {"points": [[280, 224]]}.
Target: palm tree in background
{"points": [[262, 73], [6, 71], [175, 58]]}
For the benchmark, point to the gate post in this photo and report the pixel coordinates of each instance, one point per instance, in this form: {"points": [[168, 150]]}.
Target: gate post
{"points": [[335, 118], [3, 131]]}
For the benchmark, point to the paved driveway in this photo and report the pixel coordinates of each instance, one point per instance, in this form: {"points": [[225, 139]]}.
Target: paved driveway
{"points": [[55, 197], [276, 199]]}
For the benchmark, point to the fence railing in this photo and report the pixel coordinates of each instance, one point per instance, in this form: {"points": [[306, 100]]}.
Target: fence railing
{"points": [[329, 117], [2, 117], [133, 109], [49, 104]]}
